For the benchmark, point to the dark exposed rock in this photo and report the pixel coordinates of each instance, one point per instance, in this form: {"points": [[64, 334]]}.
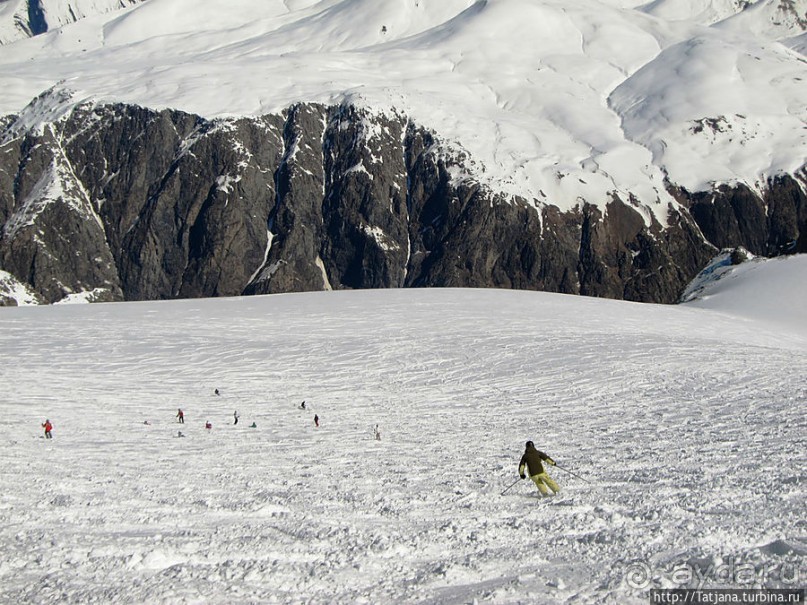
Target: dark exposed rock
{"points": [[52, 237], [621, 258], [787, 216], [366, 242], [765, 225], [738, 256], [36, 18], [731, 215], [293, 262], [136, 204]]}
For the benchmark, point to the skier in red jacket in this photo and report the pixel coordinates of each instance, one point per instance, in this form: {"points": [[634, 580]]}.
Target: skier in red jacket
{"points": [[48, 428]]}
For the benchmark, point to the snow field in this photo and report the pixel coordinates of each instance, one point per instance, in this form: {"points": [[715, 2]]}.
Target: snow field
{"points": [[687, 423]]}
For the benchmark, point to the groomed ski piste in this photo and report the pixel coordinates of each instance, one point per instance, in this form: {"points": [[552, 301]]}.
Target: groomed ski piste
{"points": [[687, 423]]}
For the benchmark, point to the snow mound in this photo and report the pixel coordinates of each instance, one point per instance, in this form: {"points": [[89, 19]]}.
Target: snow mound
{"points": [[770, 291]]}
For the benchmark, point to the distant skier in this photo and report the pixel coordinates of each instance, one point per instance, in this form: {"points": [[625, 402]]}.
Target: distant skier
{"points": [[180, 416], [179, 434], [302, 405], [253, 426], [208, 426], [377, 433], [316, 420], [48, 428], [533, 459], [235, 417], [216, 391]]}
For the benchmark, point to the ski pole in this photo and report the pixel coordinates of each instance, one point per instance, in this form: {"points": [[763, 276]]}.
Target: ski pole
{"points": [[571, 473], [511, 487]]}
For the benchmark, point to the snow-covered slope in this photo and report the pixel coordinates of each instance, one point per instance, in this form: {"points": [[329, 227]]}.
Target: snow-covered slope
{"points": [[735, 290], [13, 290], [771, 18], [23, 18], [555, 100], [685, 426]]}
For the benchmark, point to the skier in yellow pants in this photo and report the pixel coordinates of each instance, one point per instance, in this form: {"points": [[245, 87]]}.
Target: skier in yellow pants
{"points": [[533, 459]]}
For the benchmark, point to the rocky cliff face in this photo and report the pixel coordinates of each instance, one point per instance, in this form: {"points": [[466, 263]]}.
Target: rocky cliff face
{"points": [[126, 203]]}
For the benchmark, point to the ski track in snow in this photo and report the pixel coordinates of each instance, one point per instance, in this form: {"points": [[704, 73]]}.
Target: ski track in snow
{"points": [[688, 425]]}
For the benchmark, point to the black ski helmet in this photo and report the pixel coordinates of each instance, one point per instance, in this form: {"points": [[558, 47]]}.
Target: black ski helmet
{"points": [[530, 444]]}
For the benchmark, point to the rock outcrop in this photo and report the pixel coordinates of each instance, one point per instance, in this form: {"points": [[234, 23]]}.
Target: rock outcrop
{"points": [[135, 204]]}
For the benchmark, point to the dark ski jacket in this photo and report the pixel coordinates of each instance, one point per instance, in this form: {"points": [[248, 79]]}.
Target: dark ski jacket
{"points": [[533, 459]]}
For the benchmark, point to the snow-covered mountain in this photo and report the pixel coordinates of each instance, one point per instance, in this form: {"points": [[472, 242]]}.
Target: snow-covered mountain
{"points": [[684, 426], [774, 20], [24, 18], [533, 90], [687, 115]]}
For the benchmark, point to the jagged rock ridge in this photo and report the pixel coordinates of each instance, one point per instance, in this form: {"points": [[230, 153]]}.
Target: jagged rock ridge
{"points": [[127, 203]]}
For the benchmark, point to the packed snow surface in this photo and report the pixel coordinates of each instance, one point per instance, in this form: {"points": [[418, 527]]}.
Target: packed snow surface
{"points": [[555, 100], [684, 426]]}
